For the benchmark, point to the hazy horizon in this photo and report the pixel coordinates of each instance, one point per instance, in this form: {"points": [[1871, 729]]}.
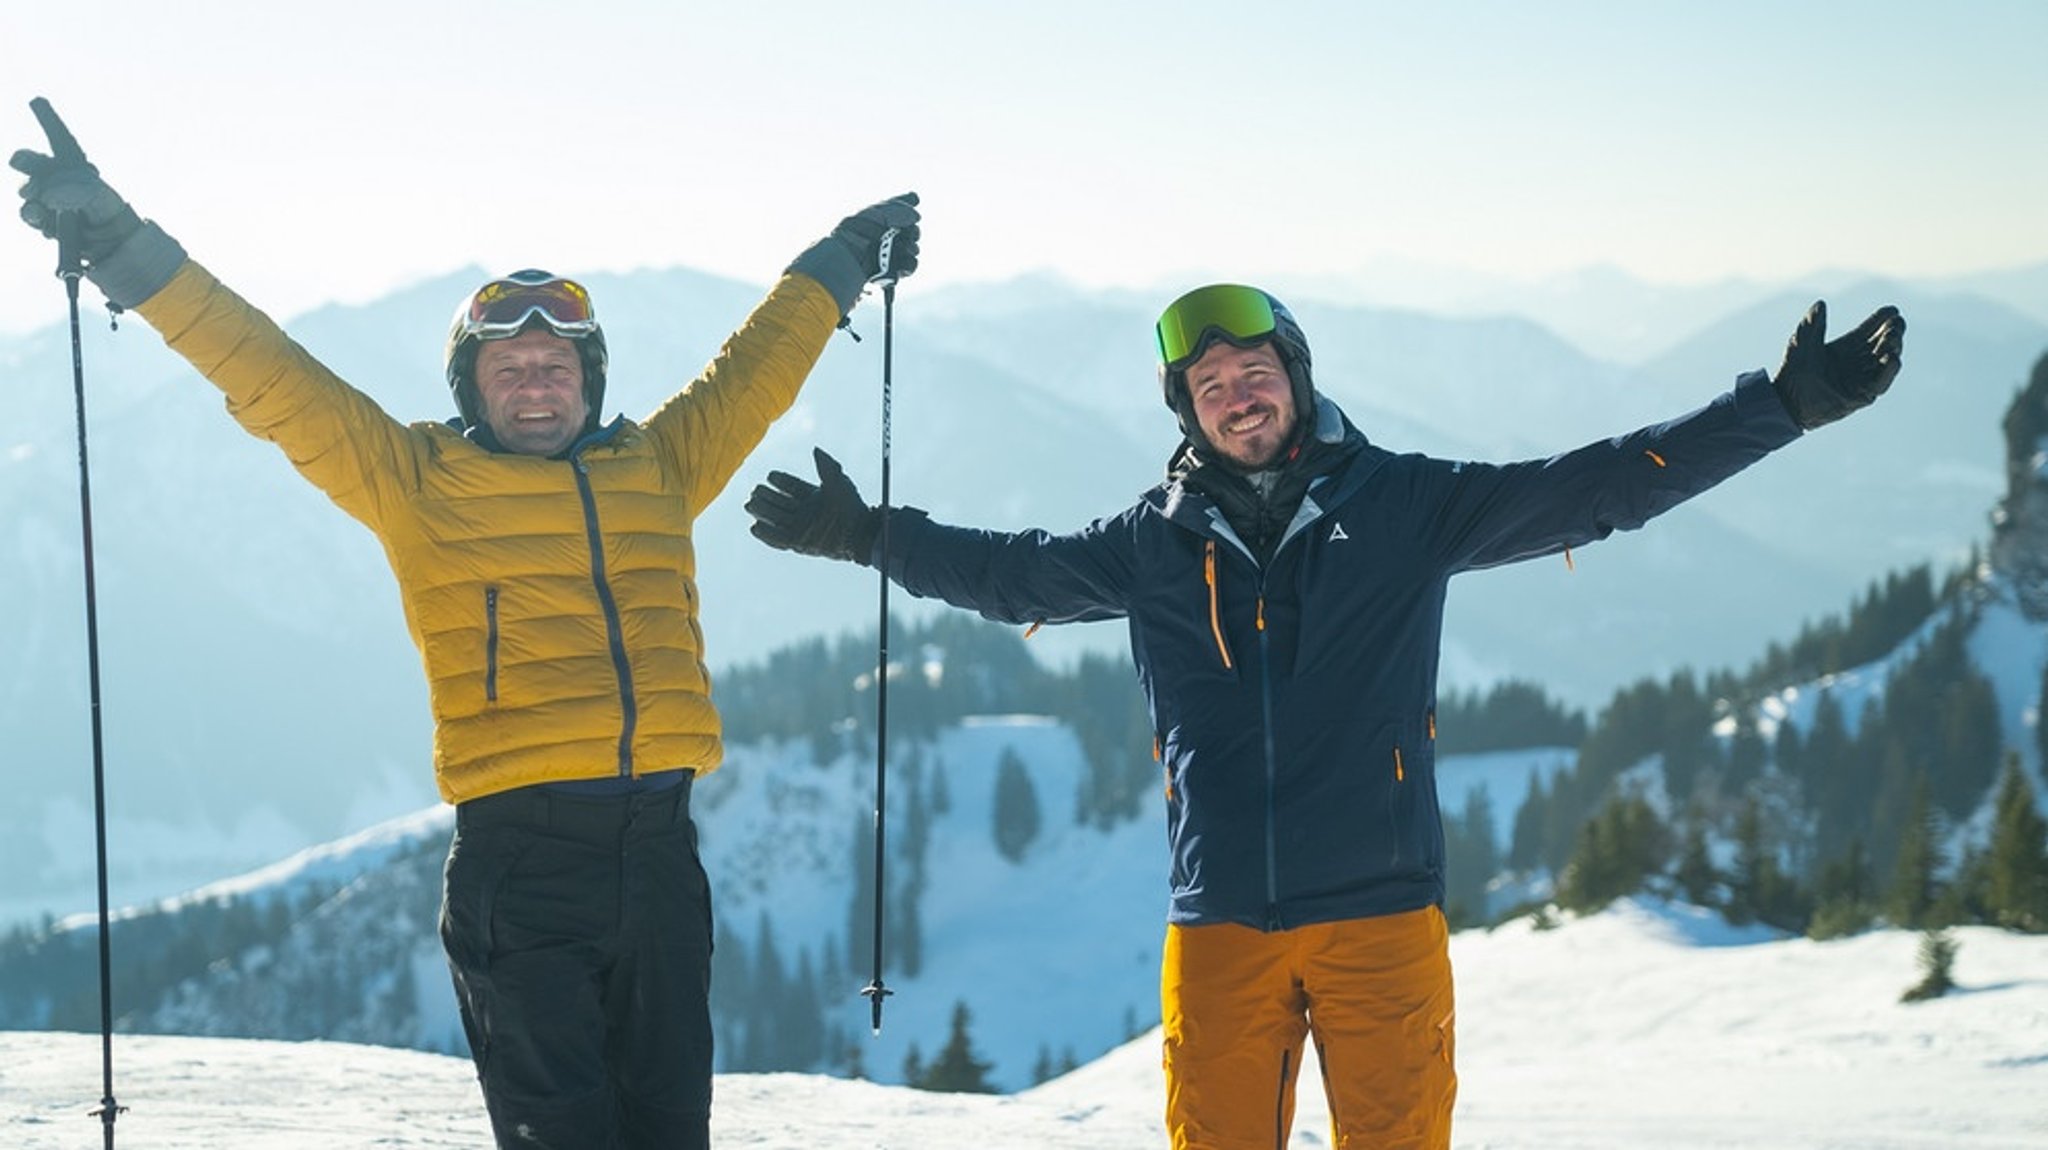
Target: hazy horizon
{"points": [[313, 159]]}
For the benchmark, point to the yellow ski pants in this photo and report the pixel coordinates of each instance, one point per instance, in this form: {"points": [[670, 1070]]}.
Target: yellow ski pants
{"points": [[1376, 994]]}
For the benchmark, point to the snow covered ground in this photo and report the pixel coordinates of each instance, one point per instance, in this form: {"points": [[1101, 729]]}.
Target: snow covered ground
{"points": [[1643, 1026]]}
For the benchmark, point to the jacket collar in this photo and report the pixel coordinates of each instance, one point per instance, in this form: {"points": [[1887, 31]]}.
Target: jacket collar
{"points": [[1188, 496], [480, 433]]}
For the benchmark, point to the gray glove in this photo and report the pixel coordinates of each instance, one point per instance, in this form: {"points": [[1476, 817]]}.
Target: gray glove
{"points": [[65, 199], [1823, 380], [852, 257]]}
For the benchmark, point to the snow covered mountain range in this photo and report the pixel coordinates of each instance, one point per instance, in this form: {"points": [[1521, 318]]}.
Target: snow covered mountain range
{"points": [[1051, 946], [260, 693]]}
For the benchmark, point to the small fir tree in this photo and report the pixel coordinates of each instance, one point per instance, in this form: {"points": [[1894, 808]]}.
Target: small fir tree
{"points": [[1937, 965], [956, 1070]]}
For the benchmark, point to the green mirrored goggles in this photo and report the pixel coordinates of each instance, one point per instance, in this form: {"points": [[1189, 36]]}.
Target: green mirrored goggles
{"points": [[1237, 312]]}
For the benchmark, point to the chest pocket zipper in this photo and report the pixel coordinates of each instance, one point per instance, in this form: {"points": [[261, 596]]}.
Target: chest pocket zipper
{"points": [[1215, 615]]}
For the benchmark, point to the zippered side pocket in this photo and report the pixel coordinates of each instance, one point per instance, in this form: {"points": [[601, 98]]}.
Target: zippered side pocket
{"points": [[490, 644]]}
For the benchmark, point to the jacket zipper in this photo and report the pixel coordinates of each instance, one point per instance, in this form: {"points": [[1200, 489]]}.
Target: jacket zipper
{"points": [[490, 644], [1272, 765], [614, 633]]}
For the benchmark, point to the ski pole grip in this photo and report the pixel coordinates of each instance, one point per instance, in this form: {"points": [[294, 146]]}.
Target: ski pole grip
{"points": [[884, 250], [69, 265], [64, 149]]}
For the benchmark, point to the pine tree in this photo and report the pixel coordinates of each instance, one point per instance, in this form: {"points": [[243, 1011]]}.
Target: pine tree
{"points": [[2016, 863], [956, 1070], [2041, 704], [800, 1019], [1760, 889], [860, 913], [906, 922], [942, 795], [1016, 807], [1525, 847], [1937, 963], [1696, 875], [1617, 851], [1747, 752], [1844, 901], [1471, 857], [1919, 860], [762, 1049]]}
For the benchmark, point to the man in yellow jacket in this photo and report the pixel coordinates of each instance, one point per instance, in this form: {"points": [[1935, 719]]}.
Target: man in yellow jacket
{"points": [[545, 563]]}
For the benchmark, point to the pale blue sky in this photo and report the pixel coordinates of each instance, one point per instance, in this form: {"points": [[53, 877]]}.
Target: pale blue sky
{"points": [[310, 152]]}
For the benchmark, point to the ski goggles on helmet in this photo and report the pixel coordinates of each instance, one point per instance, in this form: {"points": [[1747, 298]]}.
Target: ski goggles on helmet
{"points": [[502, 308], [1238, 313]]}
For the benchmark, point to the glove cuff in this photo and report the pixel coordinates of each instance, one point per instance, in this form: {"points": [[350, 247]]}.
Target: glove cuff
{"points": [[139, 267], [836, 268], [861, 536]]}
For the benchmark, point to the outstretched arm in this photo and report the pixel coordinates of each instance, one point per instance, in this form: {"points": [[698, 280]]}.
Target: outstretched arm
{"points": [[1009, 577], [336, 436], [1499, 514]]}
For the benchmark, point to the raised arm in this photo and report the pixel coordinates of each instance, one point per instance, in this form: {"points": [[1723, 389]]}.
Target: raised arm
{"points": [[714, 422], [336, 436]]}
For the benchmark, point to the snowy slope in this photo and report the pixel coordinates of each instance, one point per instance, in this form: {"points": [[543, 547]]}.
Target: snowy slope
{"points": [[1055, 954], [1641, 1026]]}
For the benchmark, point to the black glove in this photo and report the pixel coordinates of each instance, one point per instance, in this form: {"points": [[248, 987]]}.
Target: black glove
{"points": [[827, 518], [851, 257], [65, 199], [1823, 380]]}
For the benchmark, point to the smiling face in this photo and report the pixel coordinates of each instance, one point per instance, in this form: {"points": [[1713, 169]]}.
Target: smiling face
{"points": [[1244, 403], [531, 386]]}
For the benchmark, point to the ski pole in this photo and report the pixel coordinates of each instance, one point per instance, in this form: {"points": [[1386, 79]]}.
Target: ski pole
{"points": [[875, 991], [70, 268]]}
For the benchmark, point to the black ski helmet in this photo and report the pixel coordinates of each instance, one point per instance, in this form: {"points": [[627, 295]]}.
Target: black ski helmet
{"points": [[519, 302], [1238, 315]]}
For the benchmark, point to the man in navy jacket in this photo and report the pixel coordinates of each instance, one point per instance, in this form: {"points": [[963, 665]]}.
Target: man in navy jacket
{"points": [[1284, 589]]}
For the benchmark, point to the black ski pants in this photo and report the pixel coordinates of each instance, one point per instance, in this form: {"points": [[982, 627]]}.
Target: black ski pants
{"points": [[578, 930]]}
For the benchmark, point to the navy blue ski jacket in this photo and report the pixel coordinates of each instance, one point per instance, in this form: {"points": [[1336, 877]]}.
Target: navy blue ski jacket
{"points": [[1293, 704]]}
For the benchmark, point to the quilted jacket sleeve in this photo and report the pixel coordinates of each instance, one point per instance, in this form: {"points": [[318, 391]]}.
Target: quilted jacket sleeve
{"points": [[336, 436], [707, 429]]}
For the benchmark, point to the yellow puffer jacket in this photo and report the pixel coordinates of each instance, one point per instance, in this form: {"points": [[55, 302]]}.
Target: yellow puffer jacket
{"points": [[554, 602]]}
